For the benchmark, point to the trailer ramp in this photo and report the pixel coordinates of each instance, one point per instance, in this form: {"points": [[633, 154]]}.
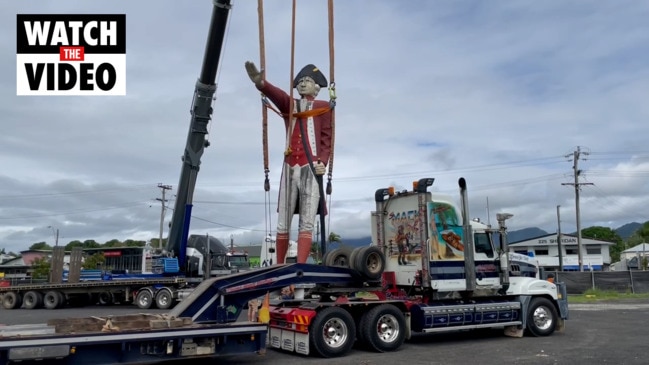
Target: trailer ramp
{"points": [[222, 299]]}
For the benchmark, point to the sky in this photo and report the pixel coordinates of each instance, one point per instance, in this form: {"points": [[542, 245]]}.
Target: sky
{"points": [[501, 93]]}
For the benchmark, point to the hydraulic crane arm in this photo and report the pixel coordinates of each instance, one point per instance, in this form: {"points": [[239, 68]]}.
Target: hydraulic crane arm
{"points": [[201, 112]]}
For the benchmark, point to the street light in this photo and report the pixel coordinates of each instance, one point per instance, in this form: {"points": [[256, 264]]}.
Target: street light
{"points": [[56, 232]]}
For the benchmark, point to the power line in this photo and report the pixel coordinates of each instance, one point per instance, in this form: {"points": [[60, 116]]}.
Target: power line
{"points": [[129, 205], [77, 192]]}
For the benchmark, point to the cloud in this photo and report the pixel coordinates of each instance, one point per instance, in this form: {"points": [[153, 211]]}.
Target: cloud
{"points": [[498, 94]]}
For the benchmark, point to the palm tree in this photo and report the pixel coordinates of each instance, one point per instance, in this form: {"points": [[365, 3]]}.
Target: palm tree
{"points": [[334, 237]]}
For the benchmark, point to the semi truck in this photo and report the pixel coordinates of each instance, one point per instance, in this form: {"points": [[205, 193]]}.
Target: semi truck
{"points": [[428, 269]]}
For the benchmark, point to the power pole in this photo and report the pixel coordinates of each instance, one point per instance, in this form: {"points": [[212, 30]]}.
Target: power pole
{"points": [[575, 158], [559, 239], [162, 200]]}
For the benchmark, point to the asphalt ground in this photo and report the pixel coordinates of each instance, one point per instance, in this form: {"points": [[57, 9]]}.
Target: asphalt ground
{"points": [[602, 333]]}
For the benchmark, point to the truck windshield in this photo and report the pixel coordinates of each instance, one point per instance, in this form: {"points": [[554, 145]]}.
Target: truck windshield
{"points": [[239, 261], [482, 244]]}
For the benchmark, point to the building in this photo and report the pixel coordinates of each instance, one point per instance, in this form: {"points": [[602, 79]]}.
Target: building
{"points": [[596, 254], [631, 258], [4, 258]]}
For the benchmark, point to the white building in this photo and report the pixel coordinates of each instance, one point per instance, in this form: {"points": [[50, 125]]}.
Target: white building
{"points": [[5, 257], [631, 258], [596, 254]]}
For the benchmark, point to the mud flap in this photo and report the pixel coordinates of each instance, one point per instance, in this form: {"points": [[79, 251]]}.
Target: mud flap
{"points": [[514, 331]]}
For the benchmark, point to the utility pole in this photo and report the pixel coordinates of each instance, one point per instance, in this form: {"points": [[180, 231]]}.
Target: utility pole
{"points": [[575, 158], [559, 239], [162, 200], [56, 232]]}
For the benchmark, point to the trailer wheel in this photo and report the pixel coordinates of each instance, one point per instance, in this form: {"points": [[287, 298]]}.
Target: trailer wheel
{"points": [[32, 299], [106, 298], [337, 257], [63, 300], [52, 299], [383, 328], [144, 298], [541, 317], [164, 299], [12, 300], [332, 332], [370, 261]]}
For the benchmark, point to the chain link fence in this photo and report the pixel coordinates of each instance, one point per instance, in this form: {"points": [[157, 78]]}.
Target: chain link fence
{"points": [[635, 282]]}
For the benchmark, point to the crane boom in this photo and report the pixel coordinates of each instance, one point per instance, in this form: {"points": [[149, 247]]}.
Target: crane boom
{"points": [[201, 112]]}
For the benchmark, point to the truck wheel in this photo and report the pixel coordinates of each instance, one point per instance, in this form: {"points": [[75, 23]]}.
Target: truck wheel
{"points": [[11, 300], [353, 256], [370, 261], [338, 257], [33, 299], [63, 300], [383, 328], [332, 332], [164, 299], [52, 299], [541, 317], [144, 298], [106, 298]]}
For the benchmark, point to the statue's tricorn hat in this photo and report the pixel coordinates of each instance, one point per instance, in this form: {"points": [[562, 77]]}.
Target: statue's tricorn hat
{"points": [[312, 72]]}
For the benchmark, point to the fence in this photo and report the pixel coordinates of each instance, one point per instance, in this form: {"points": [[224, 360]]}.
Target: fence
{"points": [[620, 281]]}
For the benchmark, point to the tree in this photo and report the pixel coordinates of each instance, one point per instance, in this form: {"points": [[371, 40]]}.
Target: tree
{"points": [[40, 246], [606, 234], [73, 244], [643, 232], [333, 237], [94, 261], [113, 243], [155, 242], [91, 244], [41, 268], [134, 243], [315, 251], [2, 252]]}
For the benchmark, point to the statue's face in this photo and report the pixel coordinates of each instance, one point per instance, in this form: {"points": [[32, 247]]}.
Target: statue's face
{"points": [[307, 87]]}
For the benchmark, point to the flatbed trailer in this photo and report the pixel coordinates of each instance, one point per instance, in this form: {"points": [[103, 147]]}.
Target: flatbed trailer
{"points": [[143, 292], [343, 306], [205, 324], [126, 340]]}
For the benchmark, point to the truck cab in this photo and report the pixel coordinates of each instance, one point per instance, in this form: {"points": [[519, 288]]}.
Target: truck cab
{"points": [[429, 243]]}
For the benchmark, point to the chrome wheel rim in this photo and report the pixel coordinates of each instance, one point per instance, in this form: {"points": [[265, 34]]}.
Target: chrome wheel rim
{"points": [[542, 318], [335, 332], [387, 328]]}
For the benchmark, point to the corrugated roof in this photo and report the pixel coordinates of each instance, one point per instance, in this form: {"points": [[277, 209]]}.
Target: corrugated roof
{"points": [[642, 247]]}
